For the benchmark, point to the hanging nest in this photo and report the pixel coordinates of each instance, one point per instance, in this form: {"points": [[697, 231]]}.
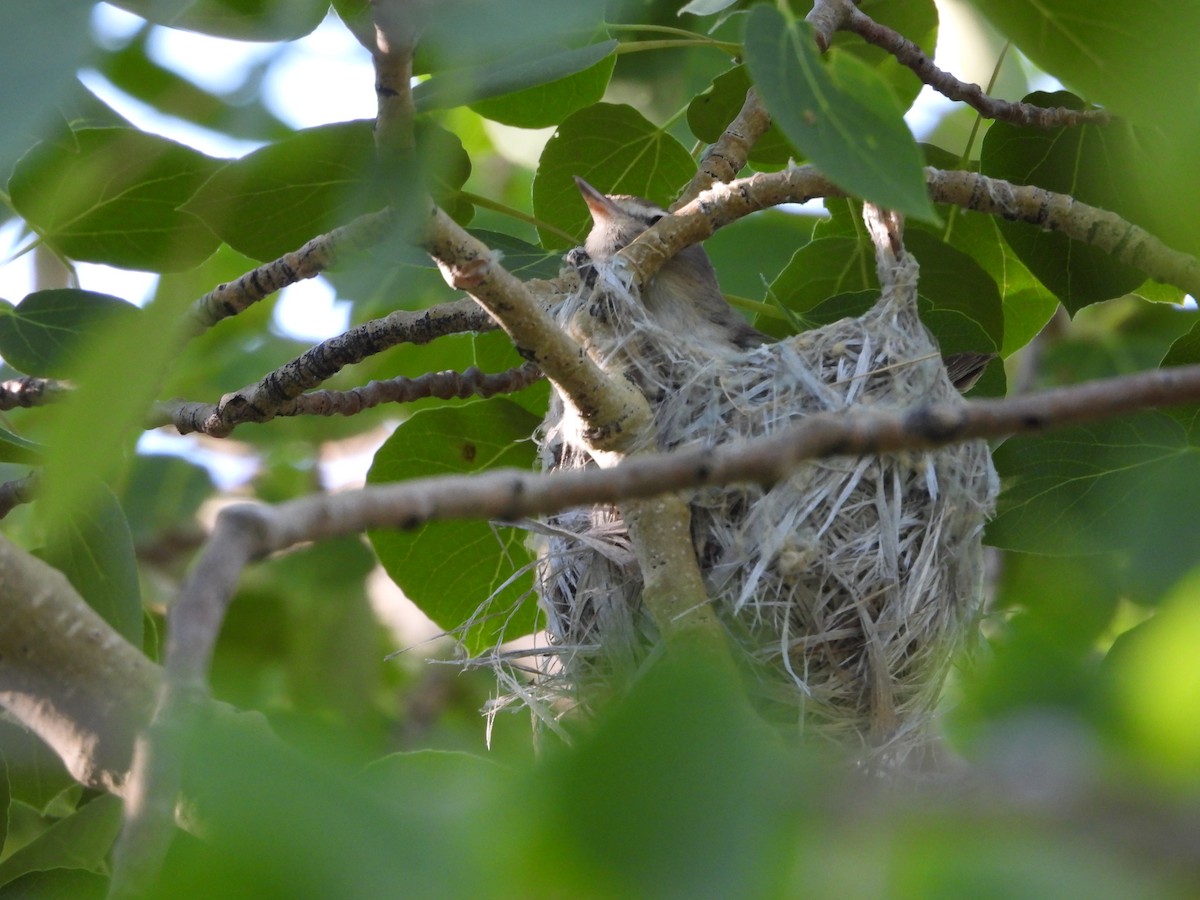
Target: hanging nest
{"points": [[851, 585]]}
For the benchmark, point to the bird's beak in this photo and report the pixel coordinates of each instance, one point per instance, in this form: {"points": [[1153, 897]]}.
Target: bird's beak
{"points": [[601, 207]]}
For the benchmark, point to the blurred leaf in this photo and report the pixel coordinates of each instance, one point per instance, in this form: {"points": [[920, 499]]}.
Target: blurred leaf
{"points": [[679, 792], [42, 46], [242, 20], [115, 197], [705, 7], [79, 841], [916, 20], [711, 111], [1156, 683], [843, 118], [618, 151], [452, 570], [5, 800], [15, 449], [36, 776], [94, 549], [282, 825], [58, 884], [275, 199], [45, 334], [131, 70], [162, 493], [91, 432], [459, 34], [516, 76], [1093, 164], [1076, 491]]}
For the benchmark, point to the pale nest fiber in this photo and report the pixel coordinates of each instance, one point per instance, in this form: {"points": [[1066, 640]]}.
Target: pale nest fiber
{"points": [[851, 585]]}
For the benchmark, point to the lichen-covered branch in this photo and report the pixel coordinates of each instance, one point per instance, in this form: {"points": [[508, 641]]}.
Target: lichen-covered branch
{"points": [[447, 385]]}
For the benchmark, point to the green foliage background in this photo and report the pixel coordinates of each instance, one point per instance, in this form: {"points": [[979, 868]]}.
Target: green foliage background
{"points": [[1084, 697]]}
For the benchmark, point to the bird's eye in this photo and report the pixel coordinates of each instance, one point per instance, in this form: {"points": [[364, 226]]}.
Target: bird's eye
{"points": [[654, 218]]}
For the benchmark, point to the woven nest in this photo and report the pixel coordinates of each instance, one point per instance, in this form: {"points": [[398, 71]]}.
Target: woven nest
{"points": [[850, 585]]}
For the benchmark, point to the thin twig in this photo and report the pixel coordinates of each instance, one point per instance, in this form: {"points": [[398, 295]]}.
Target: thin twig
{"points": [[724, 159], [829, 16]]}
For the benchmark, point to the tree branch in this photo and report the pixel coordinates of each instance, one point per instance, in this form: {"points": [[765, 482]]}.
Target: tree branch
{"points": [[19, 490], [312, 259], [28, 391], [723, 204], [67, 676], [829, 16], [724, 159]]}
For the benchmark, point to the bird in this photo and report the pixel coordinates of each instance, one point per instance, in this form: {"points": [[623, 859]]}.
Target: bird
{"points": [[685, 297]]}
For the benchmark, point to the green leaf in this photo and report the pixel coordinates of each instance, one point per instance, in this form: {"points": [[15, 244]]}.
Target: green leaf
{"points": [[515, 75], [15, 449], [89, 435], [46, 332], [1092, 163], [1028, 305], [243, 20], [1076, 491], [94, 549], [823, 268], [275, 199], [451, 569], [711, 111], [1142, 66], [131, 70], [461, 34], [916, 20], [843, 118], [954, 282], [43, 45], [520, 257], [113, 196], [58, 884], [78, 841], [618, 151], [1185, 351], [36, 776], [162, 494]]}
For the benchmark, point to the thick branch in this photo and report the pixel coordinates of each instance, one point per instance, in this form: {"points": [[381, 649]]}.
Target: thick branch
{"points": [[614, 411], [66, 675]]}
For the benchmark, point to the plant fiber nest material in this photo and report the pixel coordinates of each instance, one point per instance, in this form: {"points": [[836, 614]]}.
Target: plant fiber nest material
{"points": [[850, 585]]}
